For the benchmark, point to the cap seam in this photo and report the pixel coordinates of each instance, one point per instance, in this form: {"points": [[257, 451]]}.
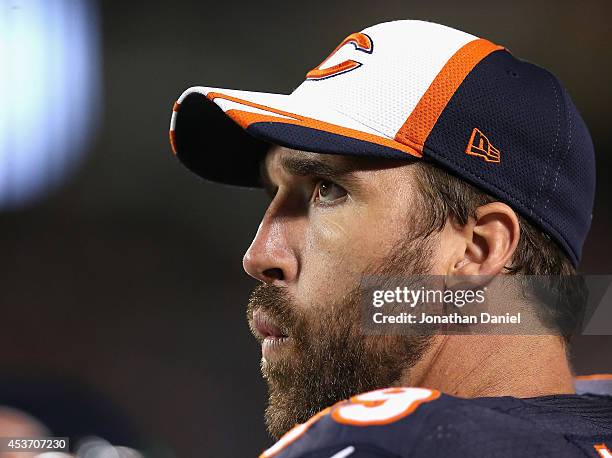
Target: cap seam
{"points": [[562, 158], [361, 122], [409, 143], [550, 153]]}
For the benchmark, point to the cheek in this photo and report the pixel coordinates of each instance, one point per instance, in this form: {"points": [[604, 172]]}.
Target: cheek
{"points": [[339, 246]]}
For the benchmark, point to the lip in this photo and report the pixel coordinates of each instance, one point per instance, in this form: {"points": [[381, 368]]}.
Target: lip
{"points": [[273, 339], [265, 327]]}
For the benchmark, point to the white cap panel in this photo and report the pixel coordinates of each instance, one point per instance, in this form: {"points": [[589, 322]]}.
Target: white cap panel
{"points": [[391, 80]]}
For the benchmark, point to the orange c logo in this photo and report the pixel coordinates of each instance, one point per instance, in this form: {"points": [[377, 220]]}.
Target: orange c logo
{"points": [[361, 41]]}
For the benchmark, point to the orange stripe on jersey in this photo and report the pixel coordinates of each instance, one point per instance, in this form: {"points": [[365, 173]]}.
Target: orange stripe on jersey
{"points": [[602, 450], [421, 121], [246, 118], [292, 435], [594, 377]]}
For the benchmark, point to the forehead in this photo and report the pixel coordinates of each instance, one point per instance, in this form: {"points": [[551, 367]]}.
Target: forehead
{"points": [[280, 159]]}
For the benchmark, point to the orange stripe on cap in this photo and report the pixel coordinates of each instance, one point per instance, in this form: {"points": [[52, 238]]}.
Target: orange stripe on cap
{"points": [[246, 118], [172, 135], [423, 118], [173, 141]]}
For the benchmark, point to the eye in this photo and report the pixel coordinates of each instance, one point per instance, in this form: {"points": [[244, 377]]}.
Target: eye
{"points": [[328, 192]]}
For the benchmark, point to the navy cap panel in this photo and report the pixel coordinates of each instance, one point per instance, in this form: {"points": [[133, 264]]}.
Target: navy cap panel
{"points": [[573, 183], [318, 141], [531, 134]]}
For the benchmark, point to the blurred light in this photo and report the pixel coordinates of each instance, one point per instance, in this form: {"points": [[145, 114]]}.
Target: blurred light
{"points": [[96, 447], [49, 94]]}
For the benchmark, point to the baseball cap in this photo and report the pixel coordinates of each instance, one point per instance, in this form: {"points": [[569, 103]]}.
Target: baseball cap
{"points": [[412, 90]]}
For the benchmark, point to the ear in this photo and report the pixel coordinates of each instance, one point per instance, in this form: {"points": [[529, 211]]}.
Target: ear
{"points": [[490, 241]]}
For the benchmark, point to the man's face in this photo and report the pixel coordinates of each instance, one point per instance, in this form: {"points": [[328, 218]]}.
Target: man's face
{"points": [[331, 220]]}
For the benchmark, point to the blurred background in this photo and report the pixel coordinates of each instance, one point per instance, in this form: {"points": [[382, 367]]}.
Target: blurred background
{"points": [[122, 292]]}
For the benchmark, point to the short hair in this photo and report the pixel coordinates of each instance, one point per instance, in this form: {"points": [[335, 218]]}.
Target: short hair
{"points": [[446, 196]]}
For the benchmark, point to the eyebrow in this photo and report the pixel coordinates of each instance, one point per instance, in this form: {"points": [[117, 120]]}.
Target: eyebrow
{"points": [[304, 167]]}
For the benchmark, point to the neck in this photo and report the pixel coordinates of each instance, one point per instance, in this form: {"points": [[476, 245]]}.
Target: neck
{"points": [[494, 365]]}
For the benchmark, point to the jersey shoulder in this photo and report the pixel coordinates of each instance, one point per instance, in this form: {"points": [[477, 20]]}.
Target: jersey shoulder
{"points": [[418, 422], [372, 422]]}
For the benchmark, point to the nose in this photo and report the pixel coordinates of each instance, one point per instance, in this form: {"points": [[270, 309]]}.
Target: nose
{"points": [[271, 258]]}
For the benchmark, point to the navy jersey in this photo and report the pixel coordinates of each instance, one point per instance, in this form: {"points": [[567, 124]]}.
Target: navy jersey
{"points": [[418, 422]]}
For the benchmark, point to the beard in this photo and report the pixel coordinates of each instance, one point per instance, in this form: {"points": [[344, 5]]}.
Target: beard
{"points": [[331, 358]]}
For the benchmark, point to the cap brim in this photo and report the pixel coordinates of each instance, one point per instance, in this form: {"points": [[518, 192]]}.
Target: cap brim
{"points": [[222, 134]]}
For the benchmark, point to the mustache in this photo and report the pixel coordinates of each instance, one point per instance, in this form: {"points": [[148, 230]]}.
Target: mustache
{"points": [[275, 302]]}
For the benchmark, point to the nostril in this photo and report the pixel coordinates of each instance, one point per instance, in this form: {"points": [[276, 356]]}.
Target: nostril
{"points": [[274, 274]]}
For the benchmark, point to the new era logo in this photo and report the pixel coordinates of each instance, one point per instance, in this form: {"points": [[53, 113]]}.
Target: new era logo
{"points": [[479, 145]]}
